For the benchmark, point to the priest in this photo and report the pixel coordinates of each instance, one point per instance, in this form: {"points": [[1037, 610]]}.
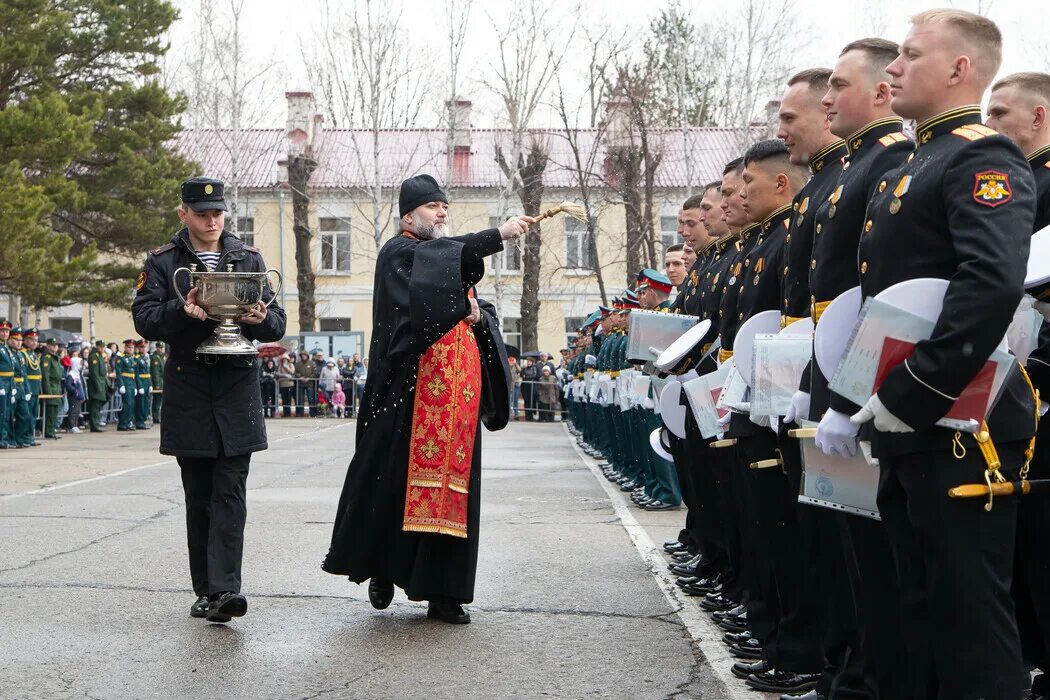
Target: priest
{"points": [[409, 512]]}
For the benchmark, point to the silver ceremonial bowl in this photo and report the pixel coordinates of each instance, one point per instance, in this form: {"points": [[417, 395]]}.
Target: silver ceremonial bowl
{"points": [[227, 296]]}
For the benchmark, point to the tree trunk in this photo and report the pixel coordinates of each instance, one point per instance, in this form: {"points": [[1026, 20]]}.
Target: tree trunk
{"points": [[531, 194], [300, 168], [627, 160]]}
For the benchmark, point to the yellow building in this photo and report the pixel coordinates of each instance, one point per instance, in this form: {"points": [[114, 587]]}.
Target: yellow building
{"points": [[353, 201]]}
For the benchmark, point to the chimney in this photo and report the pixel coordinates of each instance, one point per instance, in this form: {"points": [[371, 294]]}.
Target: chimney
{"points": [[459, 113], [303, 123], [618, 133]]}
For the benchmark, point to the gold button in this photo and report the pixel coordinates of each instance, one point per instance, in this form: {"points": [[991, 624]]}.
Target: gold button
{"points": [[882, 186], [818, 228], [867, 226], [741, 317], [812, 264], [788, 239], [863, 267], [812, 300], [910, 156], [785, 269]]}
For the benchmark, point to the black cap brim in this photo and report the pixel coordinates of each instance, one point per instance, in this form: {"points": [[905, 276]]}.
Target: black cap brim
{"points": [[217, 205]]}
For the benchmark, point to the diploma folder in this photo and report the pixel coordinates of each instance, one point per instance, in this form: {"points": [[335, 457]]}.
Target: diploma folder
{"points": [[884, 337], [652, 332]]}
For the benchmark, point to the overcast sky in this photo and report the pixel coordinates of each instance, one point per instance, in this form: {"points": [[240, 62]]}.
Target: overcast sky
{"points": [[276, 29]]}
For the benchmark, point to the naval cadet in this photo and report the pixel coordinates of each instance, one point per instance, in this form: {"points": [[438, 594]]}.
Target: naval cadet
{"points": [[1019, 108], [213, 418], [858, 102], [961, 209]]}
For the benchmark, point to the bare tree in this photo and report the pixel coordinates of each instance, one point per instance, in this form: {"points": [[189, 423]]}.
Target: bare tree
{"points": [[457, 17], [759, 52], [233, 98], [531, 48], [369, 83]]}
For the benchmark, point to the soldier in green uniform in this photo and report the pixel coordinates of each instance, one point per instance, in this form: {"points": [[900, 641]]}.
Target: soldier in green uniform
{"points": [[50, 385], [26, 427], [144, 383], [7, 386], [156, 371], [97, 385], [663, 490], [127, 386]]}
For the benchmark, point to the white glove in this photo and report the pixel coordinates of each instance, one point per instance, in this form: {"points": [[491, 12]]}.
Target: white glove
{"points": [[142, 392], [799, 407], [760, 421], [1043, 307], [591, 360], [123, 390], [885, 421], [837, 434], [12, 398], [3, 392], [28, 397]]}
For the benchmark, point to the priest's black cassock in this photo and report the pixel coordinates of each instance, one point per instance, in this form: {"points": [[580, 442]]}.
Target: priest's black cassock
{"points": [[421, 293]]}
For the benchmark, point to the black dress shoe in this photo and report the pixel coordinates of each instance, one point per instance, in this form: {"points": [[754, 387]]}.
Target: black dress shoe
{"points": [[672, 546], [686, 580], [733, 624], [751, 649], [811, 695], [743, 669], [380, 593], [735, 611], [447, 611], [682, 556], [773, 681], [702, 587], [731, 638], [225, 606], [716, 603], [200, 608], [660, 505]]}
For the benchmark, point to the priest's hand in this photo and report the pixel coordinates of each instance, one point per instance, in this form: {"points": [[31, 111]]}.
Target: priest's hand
{"points": [[515, 227], [475, 312]]}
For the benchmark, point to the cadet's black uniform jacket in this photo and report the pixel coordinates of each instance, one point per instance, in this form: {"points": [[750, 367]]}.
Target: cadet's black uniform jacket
{"points": [[727, 305], [839, 217], [825, 165], [760, 290], [207, 403], [1038, 364], [961, 209]]}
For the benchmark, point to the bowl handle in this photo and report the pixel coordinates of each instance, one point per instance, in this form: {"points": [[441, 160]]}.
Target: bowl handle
{"points": [[175, 285], [280, 283]]}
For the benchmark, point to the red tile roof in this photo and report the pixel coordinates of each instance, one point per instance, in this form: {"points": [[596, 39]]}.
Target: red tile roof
{"points": [[345, 156]]}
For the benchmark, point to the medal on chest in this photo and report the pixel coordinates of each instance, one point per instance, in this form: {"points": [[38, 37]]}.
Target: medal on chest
{"points": [[899, 191]]}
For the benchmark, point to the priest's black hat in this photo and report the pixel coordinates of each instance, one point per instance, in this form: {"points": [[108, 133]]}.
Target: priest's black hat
{"points": [[417, 191]]}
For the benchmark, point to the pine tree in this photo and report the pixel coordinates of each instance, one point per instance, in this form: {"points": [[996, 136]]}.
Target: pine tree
{"points": [[84, 131]]}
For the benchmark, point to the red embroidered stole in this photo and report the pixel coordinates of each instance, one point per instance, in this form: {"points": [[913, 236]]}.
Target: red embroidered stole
{"points": [[444, 424]]}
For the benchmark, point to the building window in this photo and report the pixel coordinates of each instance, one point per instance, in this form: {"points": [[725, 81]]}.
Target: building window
{"points": [[73, 325], [668, 234], [510, 258], [246, 229], [512, 332], [335, 244], [572, 324], [577, 245], [334, 324]]}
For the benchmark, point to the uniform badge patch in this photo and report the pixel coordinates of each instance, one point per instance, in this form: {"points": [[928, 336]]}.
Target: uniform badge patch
{"points": [[992, 188], [141, 281]]}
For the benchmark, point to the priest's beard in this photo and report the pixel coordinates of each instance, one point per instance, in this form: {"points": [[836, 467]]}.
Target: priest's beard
{"points": [[429, 232]]}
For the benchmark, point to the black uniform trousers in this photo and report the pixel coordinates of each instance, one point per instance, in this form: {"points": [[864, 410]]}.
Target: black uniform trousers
{"points": [[955, 562], [1032, 572], [216, 510], [752, 489], [810, 593], [725, 465], [700, 486]]}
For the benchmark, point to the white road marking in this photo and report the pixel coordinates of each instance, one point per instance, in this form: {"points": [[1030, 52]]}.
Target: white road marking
{"points": [[705, 633], [68, 484]]}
